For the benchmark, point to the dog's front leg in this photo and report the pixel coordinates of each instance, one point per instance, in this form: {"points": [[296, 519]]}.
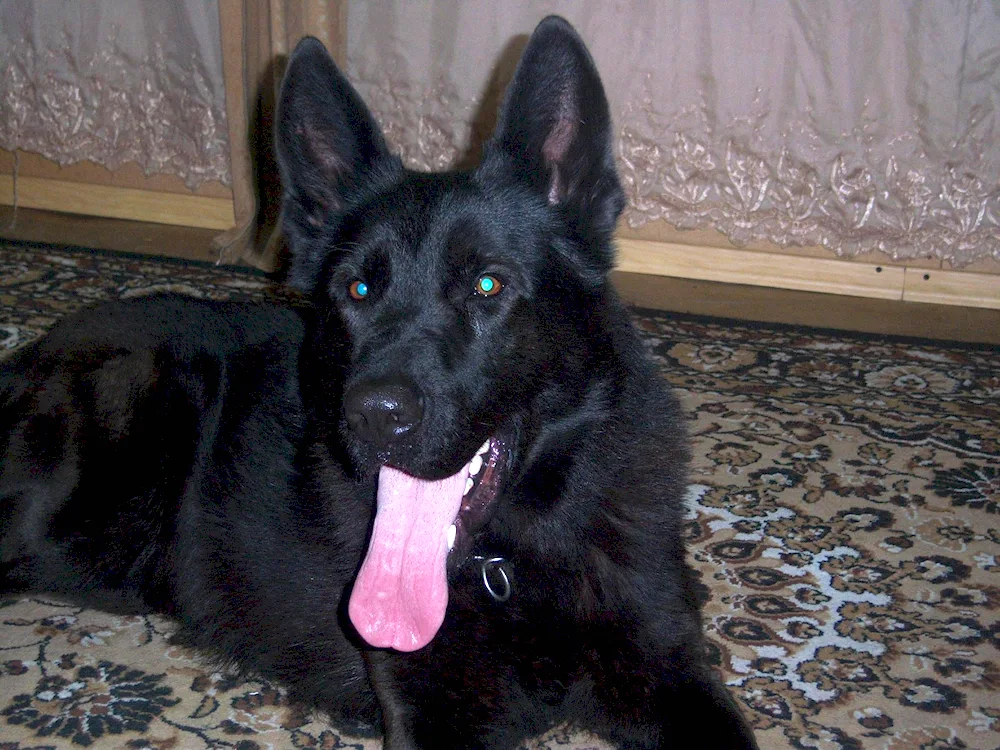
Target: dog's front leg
{"points": [[696, 707], [396, 710], [434, 699]]}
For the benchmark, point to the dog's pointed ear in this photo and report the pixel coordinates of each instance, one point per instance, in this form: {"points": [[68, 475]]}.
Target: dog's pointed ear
{"points": [[327, 145], [555, 126]]}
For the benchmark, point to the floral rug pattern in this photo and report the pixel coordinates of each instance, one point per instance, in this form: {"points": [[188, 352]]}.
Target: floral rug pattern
{"points": [[844, 512]]}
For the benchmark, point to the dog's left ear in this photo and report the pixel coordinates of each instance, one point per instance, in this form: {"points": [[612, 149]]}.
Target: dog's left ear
{"points": [[555, 128]]}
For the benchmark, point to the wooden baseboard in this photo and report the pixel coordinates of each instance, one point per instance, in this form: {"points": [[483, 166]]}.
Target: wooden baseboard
{"points": [[952, 288], [808, 274], [118, 202], [880, 317]]}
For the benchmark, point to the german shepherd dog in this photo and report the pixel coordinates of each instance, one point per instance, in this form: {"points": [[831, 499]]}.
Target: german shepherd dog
{"points": [[441, 502]]}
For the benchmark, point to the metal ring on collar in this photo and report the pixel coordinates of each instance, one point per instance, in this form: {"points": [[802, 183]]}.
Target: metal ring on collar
{"points": [[487, 566]]}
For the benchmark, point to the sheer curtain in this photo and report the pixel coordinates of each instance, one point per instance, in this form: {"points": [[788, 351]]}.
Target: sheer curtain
{"points": [[183, 88], [857, 126], [113, 82]]}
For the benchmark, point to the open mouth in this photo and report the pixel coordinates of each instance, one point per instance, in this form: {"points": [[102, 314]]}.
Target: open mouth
{"points": [[422, 528], [480, 492]]}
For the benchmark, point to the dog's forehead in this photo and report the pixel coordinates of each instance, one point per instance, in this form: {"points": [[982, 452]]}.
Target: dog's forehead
{"points": [[440, 214]]}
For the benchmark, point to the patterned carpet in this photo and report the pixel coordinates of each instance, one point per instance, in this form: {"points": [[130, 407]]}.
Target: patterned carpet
{"points": [[844, 511]]}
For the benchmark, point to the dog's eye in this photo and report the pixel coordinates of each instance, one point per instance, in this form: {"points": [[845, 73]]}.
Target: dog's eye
{"points": [[488, 285], [358, 290]]}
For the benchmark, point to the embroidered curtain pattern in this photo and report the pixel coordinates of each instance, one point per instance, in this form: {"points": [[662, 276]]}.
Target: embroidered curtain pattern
{"points": [[115, 82], [857, 126]]}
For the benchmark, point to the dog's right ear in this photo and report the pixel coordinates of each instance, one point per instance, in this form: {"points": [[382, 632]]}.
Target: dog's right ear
{"points": [[327, 145]]}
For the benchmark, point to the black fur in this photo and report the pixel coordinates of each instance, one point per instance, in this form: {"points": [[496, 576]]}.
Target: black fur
{"points": [[218, 461]]}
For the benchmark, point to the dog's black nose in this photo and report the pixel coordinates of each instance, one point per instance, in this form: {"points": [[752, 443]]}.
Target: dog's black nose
{"points": [[380, 412]]}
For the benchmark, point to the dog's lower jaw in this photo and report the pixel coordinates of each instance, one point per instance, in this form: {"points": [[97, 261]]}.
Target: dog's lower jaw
{"points": [[486, 473]]}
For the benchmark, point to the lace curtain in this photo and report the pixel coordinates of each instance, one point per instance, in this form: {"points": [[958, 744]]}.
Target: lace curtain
{"points": [[115, 82], [859, 126]]}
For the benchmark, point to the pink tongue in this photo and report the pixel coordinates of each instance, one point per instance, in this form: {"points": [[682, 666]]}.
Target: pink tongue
{"points": [[401, 592]]}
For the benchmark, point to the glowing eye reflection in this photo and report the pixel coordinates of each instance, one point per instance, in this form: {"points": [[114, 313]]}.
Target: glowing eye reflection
{"points": [[488, 285], [358, 290]]}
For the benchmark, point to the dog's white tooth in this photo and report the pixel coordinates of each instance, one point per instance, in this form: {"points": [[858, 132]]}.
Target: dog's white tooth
{"points": [[475, 464], [483, 448], [452, 531], [468, 486]]}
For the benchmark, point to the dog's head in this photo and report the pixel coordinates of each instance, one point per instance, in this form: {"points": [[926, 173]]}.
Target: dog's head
{"points": [[469, 301]]}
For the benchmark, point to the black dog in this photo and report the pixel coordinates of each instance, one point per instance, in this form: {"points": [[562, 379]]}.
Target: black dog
{"points": [[444, 501]]}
